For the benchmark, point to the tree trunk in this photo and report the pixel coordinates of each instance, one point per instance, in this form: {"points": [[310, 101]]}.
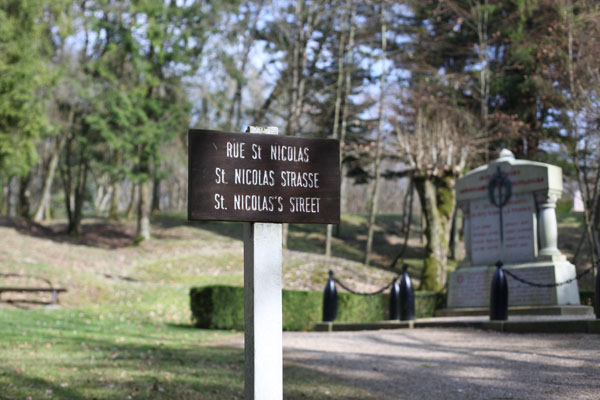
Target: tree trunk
{"points": [[24, 206], [328, 237], [344, 120], [74, 178], [260, 113], [336, 115], [236, 104], [302, 35], [373, 202], [483, 54], [106, 197], [423, 226], [438, 202], [3, 191], [65, 175], [155, 196], [144, 192], [44, 204], [295, 98], [132, 200], [143, 215], [407, 208], [75, 218], [343, 190], [284, 232], [113, 213], [455, 235], [291, 122], [11, 196], [375, 195]]}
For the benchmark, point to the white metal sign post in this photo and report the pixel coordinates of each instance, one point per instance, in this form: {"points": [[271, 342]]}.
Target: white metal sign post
{"points": [[262, 306], [264, 181]]}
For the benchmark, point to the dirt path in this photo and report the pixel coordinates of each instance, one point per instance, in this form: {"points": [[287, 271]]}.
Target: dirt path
{"points": [[454, 363]]}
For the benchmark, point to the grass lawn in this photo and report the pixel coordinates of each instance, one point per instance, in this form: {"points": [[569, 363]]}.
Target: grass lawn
{"points": [[74, 354], [123, 329], [98, 353]]}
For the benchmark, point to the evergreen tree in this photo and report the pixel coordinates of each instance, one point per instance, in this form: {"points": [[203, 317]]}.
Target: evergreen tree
{"points": [[24, 82], [147, 49]]}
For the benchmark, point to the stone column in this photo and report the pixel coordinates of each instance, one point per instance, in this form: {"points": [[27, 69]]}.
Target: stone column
{"points": [[466, 231], [547, 226]]}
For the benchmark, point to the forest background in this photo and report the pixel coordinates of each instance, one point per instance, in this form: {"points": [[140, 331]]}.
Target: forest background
{"points": [[96, 98]]}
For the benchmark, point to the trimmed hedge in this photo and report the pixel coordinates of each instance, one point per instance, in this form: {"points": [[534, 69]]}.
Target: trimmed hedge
{"points": [[218, 307], [222, 307]]}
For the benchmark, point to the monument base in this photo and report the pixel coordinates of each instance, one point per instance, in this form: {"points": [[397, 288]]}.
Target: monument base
{"points": [[572, 311], [469, 287]]}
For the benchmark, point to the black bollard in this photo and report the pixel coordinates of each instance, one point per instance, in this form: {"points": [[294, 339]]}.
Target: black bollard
{"points": [[597, 293], [499, 295], [330, 300], [407, 296], [395, 300]]}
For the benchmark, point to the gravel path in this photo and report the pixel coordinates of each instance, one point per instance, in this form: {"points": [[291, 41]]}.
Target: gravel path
{"points": [[453, 363]]}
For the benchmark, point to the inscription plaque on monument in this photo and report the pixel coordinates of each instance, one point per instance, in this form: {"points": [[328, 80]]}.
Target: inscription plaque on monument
{"points": [[471, 287], [518, 225], [263, 178]]}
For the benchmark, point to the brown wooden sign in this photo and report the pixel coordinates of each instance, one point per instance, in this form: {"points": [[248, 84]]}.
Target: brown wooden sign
{"points": [[263, 178]]}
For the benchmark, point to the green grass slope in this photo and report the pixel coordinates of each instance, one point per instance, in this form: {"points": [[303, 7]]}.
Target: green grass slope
{"points": [[123, 329]]}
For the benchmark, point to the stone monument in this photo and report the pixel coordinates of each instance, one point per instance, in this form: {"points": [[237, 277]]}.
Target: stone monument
{"points": [[527, 244]]}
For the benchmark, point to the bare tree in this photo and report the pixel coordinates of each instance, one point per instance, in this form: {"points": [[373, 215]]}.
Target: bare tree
{"points": [[306, 17], [581, 42], [377, 167], [436, 141], [348, 30], [475, 15], [250, 18]]}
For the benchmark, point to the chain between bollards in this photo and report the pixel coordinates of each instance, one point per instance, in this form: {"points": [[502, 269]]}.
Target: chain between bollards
{"points": [[361, 293], [499, 295], [548, 285], [401, 300]]}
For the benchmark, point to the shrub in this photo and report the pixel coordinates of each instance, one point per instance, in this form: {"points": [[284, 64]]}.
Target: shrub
{"points": [[355, 308], [301, 309], [218, 307], [222, 307]]}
